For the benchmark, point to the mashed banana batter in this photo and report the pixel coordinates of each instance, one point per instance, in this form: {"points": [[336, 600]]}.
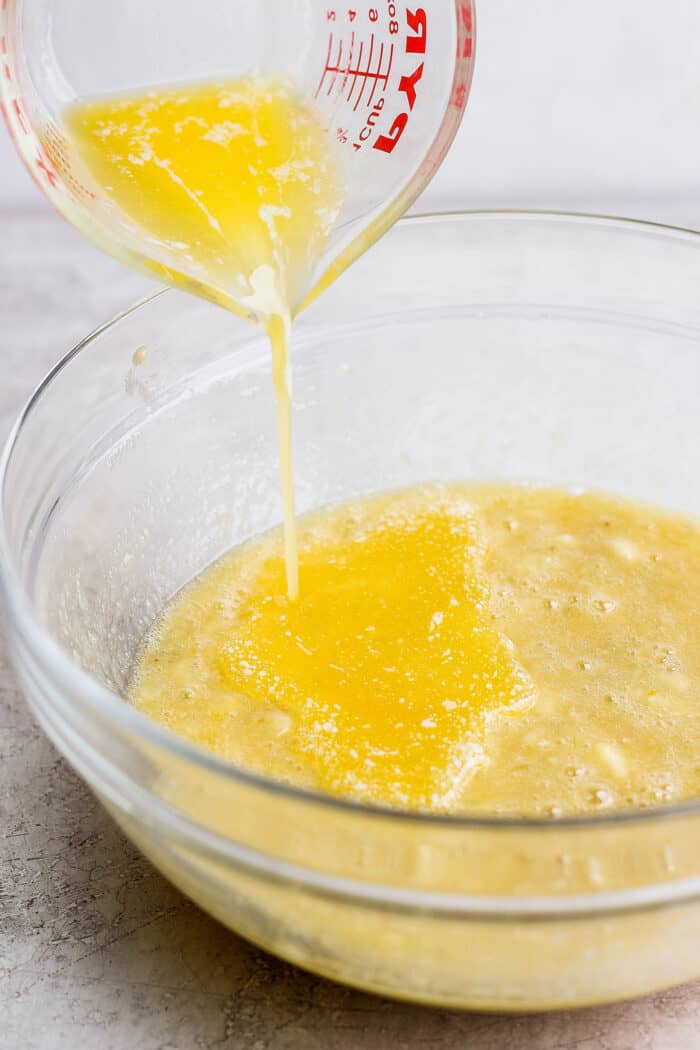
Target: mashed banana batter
{"points": [[498, 649]]}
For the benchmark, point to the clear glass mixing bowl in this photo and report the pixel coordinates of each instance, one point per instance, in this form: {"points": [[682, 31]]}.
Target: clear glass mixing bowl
{"points": [[557, 349]]}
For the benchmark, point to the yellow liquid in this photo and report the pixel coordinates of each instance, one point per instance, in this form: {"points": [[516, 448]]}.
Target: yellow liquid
{"points": [[493, 649], [238, 181]]}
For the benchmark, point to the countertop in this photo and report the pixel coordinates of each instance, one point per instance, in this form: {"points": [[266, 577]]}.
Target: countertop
{"points": [[97, 951]]}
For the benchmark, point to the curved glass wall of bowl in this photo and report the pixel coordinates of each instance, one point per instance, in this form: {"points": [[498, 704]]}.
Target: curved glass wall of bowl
{"points": [[553, 349]]}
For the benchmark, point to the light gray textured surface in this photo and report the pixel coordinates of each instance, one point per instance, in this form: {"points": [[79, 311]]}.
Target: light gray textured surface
{"points": [[97, 951]]}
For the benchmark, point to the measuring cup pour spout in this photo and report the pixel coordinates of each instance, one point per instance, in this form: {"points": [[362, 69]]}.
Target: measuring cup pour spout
{"points": [[387, 82]]}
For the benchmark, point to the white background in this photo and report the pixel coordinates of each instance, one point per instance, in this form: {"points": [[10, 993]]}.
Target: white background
{"points": [[577, 104]]}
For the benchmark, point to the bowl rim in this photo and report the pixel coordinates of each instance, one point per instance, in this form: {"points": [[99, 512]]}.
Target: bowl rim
{"points": [[114, 707]]}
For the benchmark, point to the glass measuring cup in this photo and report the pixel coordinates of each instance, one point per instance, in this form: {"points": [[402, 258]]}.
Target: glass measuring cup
{"points": [[389, 82]]}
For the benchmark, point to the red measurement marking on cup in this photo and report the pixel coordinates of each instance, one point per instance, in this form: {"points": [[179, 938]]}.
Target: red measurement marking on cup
{"points": [[465, 53], [357, 72], [336, 67], [363, 79], [20, 116], [3, 51], [45, 168], [385, 76], [466, 16], [55, 164]]}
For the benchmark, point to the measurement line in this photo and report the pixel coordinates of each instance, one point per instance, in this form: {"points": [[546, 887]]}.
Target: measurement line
{"points": [[337, 68], [340, 72], [338, 100], [391, 62], [366, 75], [356, 71], [374, 85], [20, 116], [325, 68], [346, 75]]}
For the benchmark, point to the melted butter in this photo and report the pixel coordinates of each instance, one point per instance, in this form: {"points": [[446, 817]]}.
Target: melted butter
{"points": [[377, 683], [238, 181], [369, 664]]}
